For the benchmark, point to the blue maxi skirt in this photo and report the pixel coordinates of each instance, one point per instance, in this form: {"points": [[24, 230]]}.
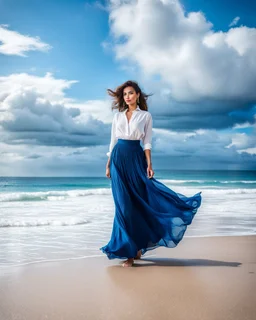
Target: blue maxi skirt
{"points": [[148, 214]]}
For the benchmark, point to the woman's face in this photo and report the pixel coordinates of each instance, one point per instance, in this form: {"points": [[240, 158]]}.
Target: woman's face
{"points": [[130, 96]]}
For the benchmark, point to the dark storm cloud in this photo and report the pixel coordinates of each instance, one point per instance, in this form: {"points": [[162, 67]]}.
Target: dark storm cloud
{"points": [[27, 119]]}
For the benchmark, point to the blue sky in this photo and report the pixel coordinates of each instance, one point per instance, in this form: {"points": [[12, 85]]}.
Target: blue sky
{"points": [[221, 13], [75, 30], [57, 58]]}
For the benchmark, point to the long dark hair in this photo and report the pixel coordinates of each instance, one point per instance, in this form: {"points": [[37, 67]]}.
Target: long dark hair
{"points": [[119, 103]]}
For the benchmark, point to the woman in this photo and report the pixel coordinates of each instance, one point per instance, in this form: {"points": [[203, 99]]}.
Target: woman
{"points": [[147, 213]]}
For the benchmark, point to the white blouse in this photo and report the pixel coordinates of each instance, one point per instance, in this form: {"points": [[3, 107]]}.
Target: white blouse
{"points": [[138, 128]]}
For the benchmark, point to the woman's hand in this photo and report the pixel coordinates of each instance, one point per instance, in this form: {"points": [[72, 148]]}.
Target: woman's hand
{"points": [[108, 172], [150, 172]]}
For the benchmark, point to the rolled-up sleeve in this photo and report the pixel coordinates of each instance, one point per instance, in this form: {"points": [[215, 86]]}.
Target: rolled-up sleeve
{"points": [[113, 138], [147, 139]]}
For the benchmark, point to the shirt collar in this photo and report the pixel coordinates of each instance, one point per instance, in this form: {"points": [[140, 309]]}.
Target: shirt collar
{"points": [[138, 108]]}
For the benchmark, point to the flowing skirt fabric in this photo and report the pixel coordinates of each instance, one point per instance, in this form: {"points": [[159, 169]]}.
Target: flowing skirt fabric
{"points": [[148, 214]]}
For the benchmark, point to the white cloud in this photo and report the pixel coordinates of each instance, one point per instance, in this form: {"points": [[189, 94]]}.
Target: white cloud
{"points": [[53, 90], [250, 151], [194, 61], [244, 125], [240, 140], [47, 86], [14, 43], [244, 142], [234, 22]]}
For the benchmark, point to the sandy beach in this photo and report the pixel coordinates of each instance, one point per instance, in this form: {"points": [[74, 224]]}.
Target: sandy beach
{"points": [[202, 278]]}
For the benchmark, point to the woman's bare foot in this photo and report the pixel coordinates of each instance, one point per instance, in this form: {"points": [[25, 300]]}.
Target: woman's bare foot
{"points": [[128, 263], [138, 255]]}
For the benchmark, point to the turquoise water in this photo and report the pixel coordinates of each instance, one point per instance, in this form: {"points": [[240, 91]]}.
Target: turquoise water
{"points": [[208, 179]]}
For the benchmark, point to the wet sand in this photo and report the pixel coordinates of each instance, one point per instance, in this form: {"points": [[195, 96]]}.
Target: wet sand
{"points": [[211, 278]]}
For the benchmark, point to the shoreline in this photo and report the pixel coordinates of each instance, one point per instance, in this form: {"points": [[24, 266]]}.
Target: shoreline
{"points": [[3, 268], [202, 278]]}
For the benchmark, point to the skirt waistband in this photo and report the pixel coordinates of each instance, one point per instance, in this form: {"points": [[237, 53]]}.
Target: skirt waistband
{"points": [[129, 142]]}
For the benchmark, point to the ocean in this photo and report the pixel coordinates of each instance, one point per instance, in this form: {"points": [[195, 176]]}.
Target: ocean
{"points": [[50, 219]]}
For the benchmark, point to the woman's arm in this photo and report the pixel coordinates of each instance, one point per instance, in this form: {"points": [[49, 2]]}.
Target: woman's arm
{"points": [[113, 140], [148, 157], [147, 142], [147, 139]]}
